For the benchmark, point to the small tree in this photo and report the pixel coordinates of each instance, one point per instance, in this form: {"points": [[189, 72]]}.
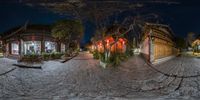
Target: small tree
{"points": [[180, 43], [106, 56], [76, 31], [68, 31]]}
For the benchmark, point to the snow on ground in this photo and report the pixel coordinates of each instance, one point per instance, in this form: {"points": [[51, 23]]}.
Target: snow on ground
{"points": [[83, 79]]}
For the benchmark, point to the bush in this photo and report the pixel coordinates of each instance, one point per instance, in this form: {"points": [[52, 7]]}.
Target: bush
{"points": [[129, 52], [54, 55], [67, 54], [115, 58], [102, 57], [31, 58], [70, 54], [123, 56], [96, 54], [45, 56]]}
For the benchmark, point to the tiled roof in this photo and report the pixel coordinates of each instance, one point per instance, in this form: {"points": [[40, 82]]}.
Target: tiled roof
{"points": [[28, 29], [162, 27]]}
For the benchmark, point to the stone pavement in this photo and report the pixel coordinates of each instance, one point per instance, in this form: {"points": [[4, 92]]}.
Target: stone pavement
{"points": [[6, 65], [82, 78]]}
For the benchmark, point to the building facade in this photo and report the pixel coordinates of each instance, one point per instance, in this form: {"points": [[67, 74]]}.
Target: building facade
{"points": [[196, 45], [110, 44], [158, 42], [30, 39]]}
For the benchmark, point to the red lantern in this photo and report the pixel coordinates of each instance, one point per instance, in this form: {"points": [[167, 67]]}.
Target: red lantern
{"points": [[107, 41], [123, 42]]}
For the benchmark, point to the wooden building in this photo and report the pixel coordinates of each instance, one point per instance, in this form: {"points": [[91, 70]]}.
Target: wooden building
{"points": [[196, 45], [158, 42], [110, 44], [30, 39]]}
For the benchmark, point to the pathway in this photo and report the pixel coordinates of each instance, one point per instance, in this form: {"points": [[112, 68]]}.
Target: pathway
{"points": [[83, 78]]}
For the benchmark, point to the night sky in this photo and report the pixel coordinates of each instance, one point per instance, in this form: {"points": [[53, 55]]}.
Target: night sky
{"points": [[182, 18]]}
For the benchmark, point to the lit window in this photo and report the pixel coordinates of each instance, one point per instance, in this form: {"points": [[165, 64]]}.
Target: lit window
{"points": [[32, 47], [50, 46], [15, 48]]}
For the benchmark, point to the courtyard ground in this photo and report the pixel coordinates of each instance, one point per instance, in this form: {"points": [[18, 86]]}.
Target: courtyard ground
{"points": [[82, 78]]}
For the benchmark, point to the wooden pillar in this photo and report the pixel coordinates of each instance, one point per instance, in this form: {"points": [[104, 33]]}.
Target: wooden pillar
{"points": [[3, 48], [9, 46], [19, 44], [58, 46], [42, 44]]}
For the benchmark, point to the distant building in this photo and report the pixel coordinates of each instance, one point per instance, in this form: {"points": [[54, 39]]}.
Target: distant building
{"points": [[30, 39], [191, 36], [110, 42], [119, 46], [158, 42], [196, 45]]}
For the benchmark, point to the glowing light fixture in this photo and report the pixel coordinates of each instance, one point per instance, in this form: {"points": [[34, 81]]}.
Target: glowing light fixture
{"points": [[32, 43]]}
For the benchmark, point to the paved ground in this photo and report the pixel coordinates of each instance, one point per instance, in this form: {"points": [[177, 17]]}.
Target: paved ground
{"points": [[82, 78], [6, 65]]}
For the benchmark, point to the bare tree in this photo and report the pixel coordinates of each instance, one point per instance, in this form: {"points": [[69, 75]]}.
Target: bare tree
{"points": [[99, 12], [95, 10]]}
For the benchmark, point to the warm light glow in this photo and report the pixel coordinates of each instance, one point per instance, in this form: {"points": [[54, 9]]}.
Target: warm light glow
{"points": [[119, 46], [107, 41], [196, 42], [100, 44]]}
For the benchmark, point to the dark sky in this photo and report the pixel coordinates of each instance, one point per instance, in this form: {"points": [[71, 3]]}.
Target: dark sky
{"points": [[183, 18]]}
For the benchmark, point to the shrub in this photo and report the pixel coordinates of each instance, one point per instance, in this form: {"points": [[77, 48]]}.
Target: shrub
{"points": [[31, 58], [66, 54], [52, 55], [56, 55], [45, 56], [123, 56], [96, 54], [115, 58], [129, 52], [102, 57]]}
